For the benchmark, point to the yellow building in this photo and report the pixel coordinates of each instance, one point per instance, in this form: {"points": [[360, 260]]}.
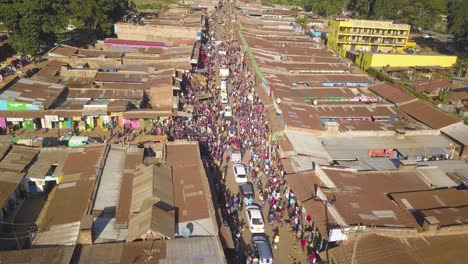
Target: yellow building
{"points": [[367, 35], [367, 60]]}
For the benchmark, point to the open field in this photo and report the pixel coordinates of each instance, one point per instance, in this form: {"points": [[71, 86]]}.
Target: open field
{"points": [[154, 4]]}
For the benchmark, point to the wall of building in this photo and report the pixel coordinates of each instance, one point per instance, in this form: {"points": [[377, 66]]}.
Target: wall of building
{"points": [[367, 35], [154, 33], [367, 60], [78, 73]]}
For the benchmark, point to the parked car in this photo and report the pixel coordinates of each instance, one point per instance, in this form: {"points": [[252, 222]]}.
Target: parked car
{"points": [[224, 99], [261, 248], [224, 86], [255, 219], [240, 173], [231, 131], [228, 120], [227, 111], [236, 155]]}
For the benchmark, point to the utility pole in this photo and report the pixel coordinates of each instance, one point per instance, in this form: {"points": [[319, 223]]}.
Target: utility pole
{"points": [[357, 229], [17, 241]]}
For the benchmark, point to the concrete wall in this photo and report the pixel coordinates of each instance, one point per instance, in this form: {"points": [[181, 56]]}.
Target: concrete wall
{"points": [[367, 60], [155, 33], [342, 29], [94, 63], [79, 73], [383, 133]]}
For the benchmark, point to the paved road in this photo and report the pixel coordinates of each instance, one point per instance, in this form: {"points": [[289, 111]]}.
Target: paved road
{"points": [[289, 250]]}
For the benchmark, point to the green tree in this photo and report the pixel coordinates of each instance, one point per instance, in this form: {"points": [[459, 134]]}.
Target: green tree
{"points": [[303, 20], [360, 8], [458, 21], [98, 15], [32, 22], [325, 7]]}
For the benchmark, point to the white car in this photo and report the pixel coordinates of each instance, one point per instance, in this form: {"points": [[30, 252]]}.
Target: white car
{"points": [[224, 86], [224, 98], [255, 219], [240, 173], [227, 111]]}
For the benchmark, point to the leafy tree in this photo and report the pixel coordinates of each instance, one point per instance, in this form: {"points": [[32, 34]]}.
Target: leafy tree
{"points": [[302, 20], [360, 8], [32, 22], [325, 7], [458, 20], [98, 15]]}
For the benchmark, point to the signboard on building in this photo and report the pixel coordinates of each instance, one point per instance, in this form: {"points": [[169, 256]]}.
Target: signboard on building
{"points": [[14, 119], [17, 106], [51, 118]]}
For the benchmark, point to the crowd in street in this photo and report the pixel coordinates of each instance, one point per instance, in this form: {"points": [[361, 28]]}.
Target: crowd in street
{"points": [[253, 137], [13, 66]]}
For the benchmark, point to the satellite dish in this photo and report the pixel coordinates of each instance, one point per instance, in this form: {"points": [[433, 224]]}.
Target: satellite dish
{"points": [[186, 232]]}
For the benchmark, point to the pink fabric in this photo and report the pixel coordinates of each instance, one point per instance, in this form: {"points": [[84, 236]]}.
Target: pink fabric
{"points": [[3, 123], [135, 123]]}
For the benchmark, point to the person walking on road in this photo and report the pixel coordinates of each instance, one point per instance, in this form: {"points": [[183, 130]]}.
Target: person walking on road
{"points": [[250, 201], [276, 242]]}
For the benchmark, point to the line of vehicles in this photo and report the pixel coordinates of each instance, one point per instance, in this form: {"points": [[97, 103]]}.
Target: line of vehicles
{"points": [[254, 216], [259, 241], [256, 224]]}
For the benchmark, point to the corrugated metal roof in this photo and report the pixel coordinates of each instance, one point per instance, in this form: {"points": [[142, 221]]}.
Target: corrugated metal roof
{"points": [[153, 219], [102, 253], [66, 234], [49, 255], [142, 188], [194, 250], [307, 144], [358, 147], [436, 177], [162, 184], [104, 231], [111, 179]]}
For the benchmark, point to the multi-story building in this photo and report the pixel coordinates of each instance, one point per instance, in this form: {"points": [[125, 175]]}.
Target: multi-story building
{"points": [[367, 35]]}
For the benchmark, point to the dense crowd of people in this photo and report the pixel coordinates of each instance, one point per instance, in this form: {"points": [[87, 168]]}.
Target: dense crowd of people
{"points": [[208, 125], [253, 137], [14, 65]]}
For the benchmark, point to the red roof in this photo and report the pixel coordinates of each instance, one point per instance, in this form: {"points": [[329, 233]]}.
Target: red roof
{"points": [[431, 86], [133, 42]]}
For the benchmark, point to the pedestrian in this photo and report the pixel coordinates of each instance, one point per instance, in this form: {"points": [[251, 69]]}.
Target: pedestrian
{"points": [[303, 243], [249, 259], [276, 242], [313, 257], [308, 220], [299, 233], [256, 261]]}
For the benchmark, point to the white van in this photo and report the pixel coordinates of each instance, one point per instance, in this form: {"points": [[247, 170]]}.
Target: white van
{"points": [[77, 141]]}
